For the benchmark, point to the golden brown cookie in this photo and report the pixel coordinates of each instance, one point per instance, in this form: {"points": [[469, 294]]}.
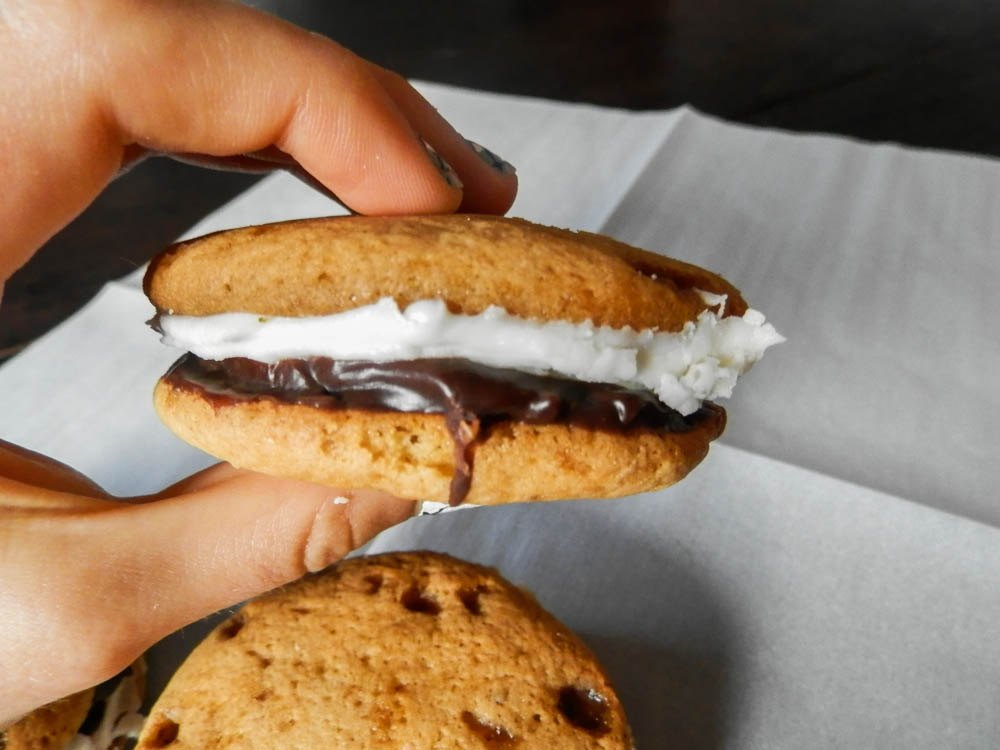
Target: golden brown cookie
{"points": [[50, 727], [323, 266], [413, 455], [101, 718], [407, 650], [447, 439]]}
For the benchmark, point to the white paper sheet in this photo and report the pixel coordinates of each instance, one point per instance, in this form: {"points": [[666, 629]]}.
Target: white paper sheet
{"points": [[829, 576], [881, 266], [758, 605]]}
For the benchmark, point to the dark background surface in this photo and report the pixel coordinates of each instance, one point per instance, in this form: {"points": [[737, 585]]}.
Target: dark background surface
{"points": [[920, 72]]}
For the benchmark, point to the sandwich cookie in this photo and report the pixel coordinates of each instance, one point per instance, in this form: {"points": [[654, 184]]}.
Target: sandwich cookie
{"points": [[448, 358], [408, 650]]}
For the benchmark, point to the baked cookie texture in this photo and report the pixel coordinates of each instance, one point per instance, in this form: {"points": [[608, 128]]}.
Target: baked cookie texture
{"points": [[324, 266], [50, 727], [413, 455], [404, 650], [102, 718]]}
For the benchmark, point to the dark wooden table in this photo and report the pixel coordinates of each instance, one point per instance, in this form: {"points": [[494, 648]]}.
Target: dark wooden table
{"points": [[920, 72]]}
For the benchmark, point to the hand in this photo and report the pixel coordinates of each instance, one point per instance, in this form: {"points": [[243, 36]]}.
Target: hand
{"points": [[89, 86], [86, 88], [89, 582]]}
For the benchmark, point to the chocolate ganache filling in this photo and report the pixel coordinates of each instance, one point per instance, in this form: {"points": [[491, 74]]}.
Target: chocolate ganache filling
{"points": [[471, 396]]}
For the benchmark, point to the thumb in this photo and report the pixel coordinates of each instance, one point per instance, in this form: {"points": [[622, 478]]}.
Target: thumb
{"points": [[226, 535], [90, 584]]}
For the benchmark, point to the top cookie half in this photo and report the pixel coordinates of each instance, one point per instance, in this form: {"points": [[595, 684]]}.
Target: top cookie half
{"points": [[325, 266]]}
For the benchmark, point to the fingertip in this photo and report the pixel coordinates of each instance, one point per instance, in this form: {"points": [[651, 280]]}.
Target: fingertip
{"points": [[372, 512], [356, 141], [347, 520], [387, 170], [491, 190], [465, 180], [254, 532], [490, 197], [489, 182]]}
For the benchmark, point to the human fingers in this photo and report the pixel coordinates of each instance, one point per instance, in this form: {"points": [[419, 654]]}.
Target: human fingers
{"points": [[231, 80], [100, 82], [252, 532], [489, 182], [90, 584], [34, 469]]}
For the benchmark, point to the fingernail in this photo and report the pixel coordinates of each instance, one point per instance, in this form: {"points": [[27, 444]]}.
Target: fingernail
{"points": [[446, 170], [500, 165]]}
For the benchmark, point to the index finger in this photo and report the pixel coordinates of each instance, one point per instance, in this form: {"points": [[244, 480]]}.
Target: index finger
{"points": [[92, 80]]}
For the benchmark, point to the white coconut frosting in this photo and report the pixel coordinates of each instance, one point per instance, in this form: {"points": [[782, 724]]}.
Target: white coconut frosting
{"points": [[700, 362], [120, 717]]}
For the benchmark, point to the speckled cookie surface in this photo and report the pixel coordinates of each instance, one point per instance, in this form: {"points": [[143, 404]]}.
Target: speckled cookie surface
{"points": [[322, 266], [410, 650], [413, 455], [50, 727]]}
